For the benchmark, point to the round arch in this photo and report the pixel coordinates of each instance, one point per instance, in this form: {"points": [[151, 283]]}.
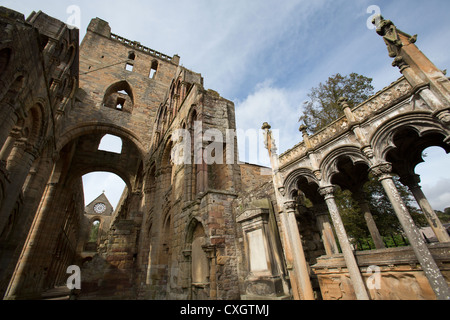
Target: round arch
{"points": [[94, 128]]}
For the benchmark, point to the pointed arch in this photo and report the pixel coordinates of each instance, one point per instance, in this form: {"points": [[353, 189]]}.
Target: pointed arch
{"points": [[119, 96]]}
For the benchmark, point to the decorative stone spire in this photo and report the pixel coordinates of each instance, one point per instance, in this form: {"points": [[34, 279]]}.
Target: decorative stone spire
{"points": [[390, 34]]}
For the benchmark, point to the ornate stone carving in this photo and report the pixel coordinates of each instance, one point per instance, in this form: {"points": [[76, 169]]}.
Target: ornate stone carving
{"points": [[388, 31], [343, 103], [327, 192], [382, 171]]}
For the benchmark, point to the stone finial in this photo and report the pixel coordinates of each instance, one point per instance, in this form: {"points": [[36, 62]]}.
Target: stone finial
{"points": [[266, 126], [343, 103], [390, 34], [303, 129]]}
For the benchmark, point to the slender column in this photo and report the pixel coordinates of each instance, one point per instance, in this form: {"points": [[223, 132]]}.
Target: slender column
{"points": [[298, 253], [299, 275], [374, 233], [412, 182], [324, 225], [437, 281], [350, 260]]}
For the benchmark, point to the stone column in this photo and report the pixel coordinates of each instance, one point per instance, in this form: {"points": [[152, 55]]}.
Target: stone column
{"points": [[324, 225], [412, 182], [298, 254], [22, 274], [374, 233], [350, 261], [437, 281]]}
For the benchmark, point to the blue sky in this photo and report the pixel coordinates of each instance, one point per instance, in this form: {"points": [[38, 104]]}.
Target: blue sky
{"points": [[266, 55]]}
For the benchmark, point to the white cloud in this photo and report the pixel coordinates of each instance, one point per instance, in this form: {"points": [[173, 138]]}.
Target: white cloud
{"points": [[277, 106], [435, 179]]}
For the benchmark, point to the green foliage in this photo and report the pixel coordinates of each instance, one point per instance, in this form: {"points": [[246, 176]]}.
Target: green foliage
{"points": [[94, 232], [382, 212], [323, 108], [444, 216]]}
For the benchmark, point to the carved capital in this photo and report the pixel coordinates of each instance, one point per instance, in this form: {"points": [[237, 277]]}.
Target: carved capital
{"points": [[327, 192], [382, 171]]}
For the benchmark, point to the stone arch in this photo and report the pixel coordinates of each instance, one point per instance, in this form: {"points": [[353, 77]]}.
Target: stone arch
{"points": [[290, 183], [103, 128], [408, 145], [382, 140], [119, 96], [330, 163]]}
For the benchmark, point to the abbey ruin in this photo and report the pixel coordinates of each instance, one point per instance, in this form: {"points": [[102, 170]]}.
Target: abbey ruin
{"points": [[199, 229]]}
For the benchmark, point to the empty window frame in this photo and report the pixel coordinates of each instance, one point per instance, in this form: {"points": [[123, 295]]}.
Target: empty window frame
{"points": [[129, 67], [153, 70]]}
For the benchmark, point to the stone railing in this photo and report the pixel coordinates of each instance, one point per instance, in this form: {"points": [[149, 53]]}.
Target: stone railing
{"points": [[388, 96], [140, 47]]}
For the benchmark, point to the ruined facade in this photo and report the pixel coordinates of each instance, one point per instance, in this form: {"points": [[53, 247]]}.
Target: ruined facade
{"points": [[194, 229]]}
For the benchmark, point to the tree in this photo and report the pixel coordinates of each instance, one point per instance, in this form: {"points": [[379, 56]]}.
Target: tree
{"points": [[323, 108], [381, 209]]}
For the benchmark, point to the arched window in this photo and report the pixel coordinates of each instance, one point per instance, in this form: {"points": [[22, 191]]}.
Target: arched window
{"points": [[119, 96], [110, 143], [200, 264]]}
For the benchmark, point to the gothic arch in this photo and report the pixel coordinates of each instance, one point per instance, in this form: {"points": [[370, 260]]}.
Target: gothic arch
{"points": [[290, 183], [114, 96], [329, 164], [382, 140]]}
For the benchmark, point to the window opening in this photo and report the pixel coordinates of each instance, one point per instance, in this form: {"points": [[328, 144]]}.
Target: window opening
{"points": [[111, 143], [154, 69], [129, 67]]}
